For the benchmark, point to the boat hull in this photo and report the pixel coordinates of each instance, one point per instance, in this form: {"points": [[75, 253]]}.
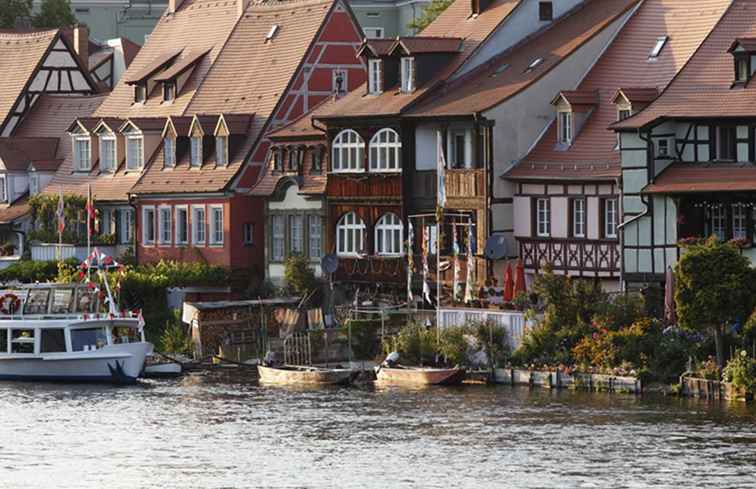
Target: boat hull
{"points": [[420, 376], [121, 364], [314, 376]]}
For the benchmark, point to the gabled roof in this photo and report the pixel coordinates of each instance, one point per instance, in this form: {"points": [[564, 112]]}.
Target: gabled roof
{"points": [[376, 47], [702, 177], [427, 45], [182, 64], [577, 97], [16, 152], [17, 209], [703, 89], [747, 43], [593, 153], [519, 67], [636, 95], [160, 60], [21, 53]]}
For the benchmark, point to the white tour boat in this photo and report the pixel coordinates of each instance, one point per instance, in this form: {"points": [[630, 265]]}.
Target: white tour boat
{"points": [[59, 332]]}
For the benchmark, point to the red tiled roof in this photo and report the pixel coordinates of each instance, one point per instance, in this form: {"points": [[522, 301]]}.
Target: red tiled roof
{"points": [[624, 63], [579, 97], [20, 54], [378, 47], [703, 177], [428, 44], [47, 165], [455, 21], [489, 85], [16, 152], [747, 43], [637, 95], [130, 50], [182, 64], [156, 64], [19, 208], [704, 87], [302, 127]]}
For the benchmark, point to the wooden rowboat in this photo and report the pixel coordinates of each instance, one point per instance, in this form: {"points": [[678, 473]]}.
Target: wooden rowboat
{"points": [[293, 374], [420, 376]]}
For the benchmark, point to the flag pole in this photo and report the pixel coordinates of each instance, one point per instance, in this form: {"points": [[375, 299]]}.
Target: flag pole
{"points": [[90, 212], [440, 202], [61, 224]]}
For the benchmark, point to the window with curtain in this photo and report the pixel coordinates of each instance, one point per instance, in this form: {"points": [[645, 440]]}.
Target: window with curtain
{"points": [[82, 155], [164, 225], [578, 218], [543, 218], [389, 235], [296, 234], [216, 225], [169, 152], [385, 151], [315, 240], [350, 235], [278, 238], [375, 77], [134, 152], [107, 153], [408, 75], [182, 225], [199, 224], [195, 150], [348, 151], [610, 218], [221, 150]]}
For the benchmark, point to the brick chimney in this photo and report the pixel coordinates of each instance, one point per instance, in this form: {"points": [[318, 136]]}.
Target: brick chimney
{"points": [[81, 43]]}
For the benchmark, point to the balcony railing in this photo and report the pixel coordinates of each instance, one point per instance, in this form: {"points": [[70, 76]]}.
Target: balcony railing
{"points": [[466, 184], [589, 257], [374, 269], [49, 251]]}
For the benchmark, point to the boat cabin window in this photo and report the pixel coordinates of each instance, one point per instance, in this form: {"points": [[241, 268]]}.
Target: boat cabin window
{"points": [[86, 300], [53, 340], [36, 301], [22, 341], [3, 341], [88, 339], [62, 300], [126, 335]]}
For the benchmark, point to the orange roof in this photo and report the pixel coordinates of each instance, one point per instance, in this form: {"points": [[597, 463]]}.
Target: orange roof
{"points": [[20, 55], [16, 152], [428, 44], [624, 63], [513, 71], [19, 208], [455, 22], [704, 88], [703, 177]]}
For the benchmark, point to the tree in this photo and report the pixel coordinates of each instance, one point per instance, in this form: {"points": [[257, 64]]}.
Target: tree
{"points": [[10, 10], [54, 13], [299, 277], [714, 289], [430, 12]]}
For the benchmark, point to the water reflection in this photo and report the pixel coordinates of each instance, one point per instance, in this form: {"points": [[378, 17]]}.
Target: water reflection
{"points": [[222, 430]]}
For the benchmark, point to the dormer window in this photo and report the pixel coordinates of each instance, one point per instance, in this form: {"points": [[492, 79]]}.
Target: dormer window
{"points": [[657, 49], [33, 183], [623, 114], [140, 93], [564, 124], [107, 152], [545, 11], [195, 151], [534, 64], [271, 33], [221, 150], [169, 91], [375, 77], [169, 152], [82, 153], [278, 156], [408, 75], [742, 69], [134, 152]]}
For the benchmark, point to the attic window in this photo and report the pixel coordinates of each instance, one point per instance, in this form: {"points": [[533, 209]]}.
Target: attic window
{"points": [[534, 64], [545, 11], [169, 91], [564, 123], [742, 69], [271, 33], [140, 93], [660, 42]]}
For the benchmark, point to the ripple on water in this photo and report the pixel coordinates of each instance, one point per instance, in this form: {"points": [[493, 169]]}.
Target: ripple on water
{"points": [[228, 432]]}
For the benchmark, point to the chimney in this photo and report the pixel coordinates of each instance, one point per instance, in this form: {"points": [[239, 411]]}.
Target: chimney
{"points": [[174, 5], [478, 6], [81, 43]]}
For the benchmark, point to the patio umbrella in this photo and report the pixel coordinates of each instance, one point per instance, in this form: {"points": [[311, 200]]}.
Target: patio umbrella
{"points": [[670, 314], [519, 285], [508, 284]]}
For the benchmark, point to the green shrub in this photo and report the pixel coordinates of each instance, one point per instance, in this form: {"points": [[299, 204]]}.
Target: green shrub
{"points": [[492, 339], [415, 344], [741, 371], [175, 338], [28, 271], [299, 276], [365, 343], [453, 345]]}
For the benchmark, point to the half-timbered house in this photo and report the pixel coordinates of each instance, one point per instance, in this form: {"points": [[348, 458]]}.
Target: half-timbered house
{"points": [[688, 158], [567, 189]]}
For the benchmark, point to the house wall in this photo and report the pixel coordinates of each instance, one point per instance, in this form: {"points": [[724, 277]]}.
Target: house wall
{"points": [[393, 17], [521, 120]]}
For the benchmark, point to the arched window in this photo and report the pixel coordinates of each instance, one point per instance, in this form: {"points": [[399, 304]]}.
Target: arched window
{"points": [[388, 235], [385, 151], [350, 235], [348, 151]]}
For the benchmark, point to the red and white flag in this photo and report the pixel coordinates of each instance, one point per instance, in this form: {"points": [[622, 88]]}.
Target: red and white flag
{"points": [[141, 322]]}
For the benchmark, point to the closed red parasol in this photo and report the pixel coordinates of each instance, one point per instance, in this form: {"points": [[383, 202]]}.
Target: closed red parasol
{"points": [[519, 285], [508, 284]]}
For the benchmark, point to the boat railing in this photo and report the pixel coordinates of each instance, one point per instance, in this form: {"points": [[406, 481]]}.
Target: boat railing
{"points": [[76, 316]]}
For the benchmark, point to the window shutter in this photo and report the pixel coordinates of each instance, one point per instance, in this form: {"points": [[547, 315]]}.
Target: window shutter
{"points": [[602, 218]]}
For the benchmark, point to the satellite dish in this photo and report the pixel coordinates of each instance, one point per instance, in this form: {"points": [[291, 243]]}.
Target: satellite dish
{"points": [[329, 263], [496, 247]]}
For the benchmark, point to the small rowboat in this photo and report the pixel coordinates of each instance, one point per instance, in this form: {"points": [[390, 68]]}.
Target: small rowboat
{"points": [[172, 369], [420, 375], [303, 375]]}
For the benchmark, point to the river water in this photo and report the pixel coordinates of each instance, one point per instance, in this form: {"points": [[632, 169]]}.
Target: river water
{"points": [[221, 430]]}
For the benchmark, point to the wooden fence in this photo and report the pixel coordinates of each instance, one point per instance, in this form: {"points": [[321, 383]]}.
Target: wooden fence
{"points": [[561, 380]]}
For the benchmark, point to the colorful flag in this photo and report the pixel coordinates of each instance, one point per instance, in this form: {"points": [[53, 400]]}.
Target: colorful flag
{"points": [[426, 271], [410, 260], [470, 280], [61, 214], [455, 252], [441, 172]]}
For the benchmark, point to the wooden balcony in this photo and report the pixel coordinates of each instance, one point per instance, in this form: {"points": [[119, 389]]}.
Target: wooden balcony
{"points": [[372, 269], [466, 188], [583, 257]]}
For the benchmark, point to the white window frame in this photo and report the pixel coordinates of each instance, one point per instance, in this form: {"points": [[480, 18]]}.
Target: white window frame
{"points": [[375, 76], [315, 236], [165, 229], [169, 152], [348, 154], [383, 145], [739, 221], [214, 229], [543, 217], [565, 126], [379, 32], [221, 150], [407, 74], [146, 241], [611, 215], [3, 188], [199, 225], [86, 164], [126, 224], [33, 183], [169, 91], [451, 146], [663, 148], [195, 151], [105, 164], [657, 49], [350, 226], [718, 221], [296, 224], [178, 209], [278, 237], [344, 80], [140, 93], [131, 163], [248, 233], [578, 218], [388, 228]]}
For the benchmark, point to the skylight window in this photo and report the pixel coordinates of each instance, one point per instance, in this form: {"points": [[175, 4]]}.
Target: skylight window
{"points": [[501, 68], [660, 42], [271, 33], [534, 64]]}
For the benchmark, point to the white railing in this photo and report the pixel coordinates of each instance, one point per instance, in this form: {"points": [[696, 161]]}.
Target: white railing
{"points": [[49, 251], [513, 322]]}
